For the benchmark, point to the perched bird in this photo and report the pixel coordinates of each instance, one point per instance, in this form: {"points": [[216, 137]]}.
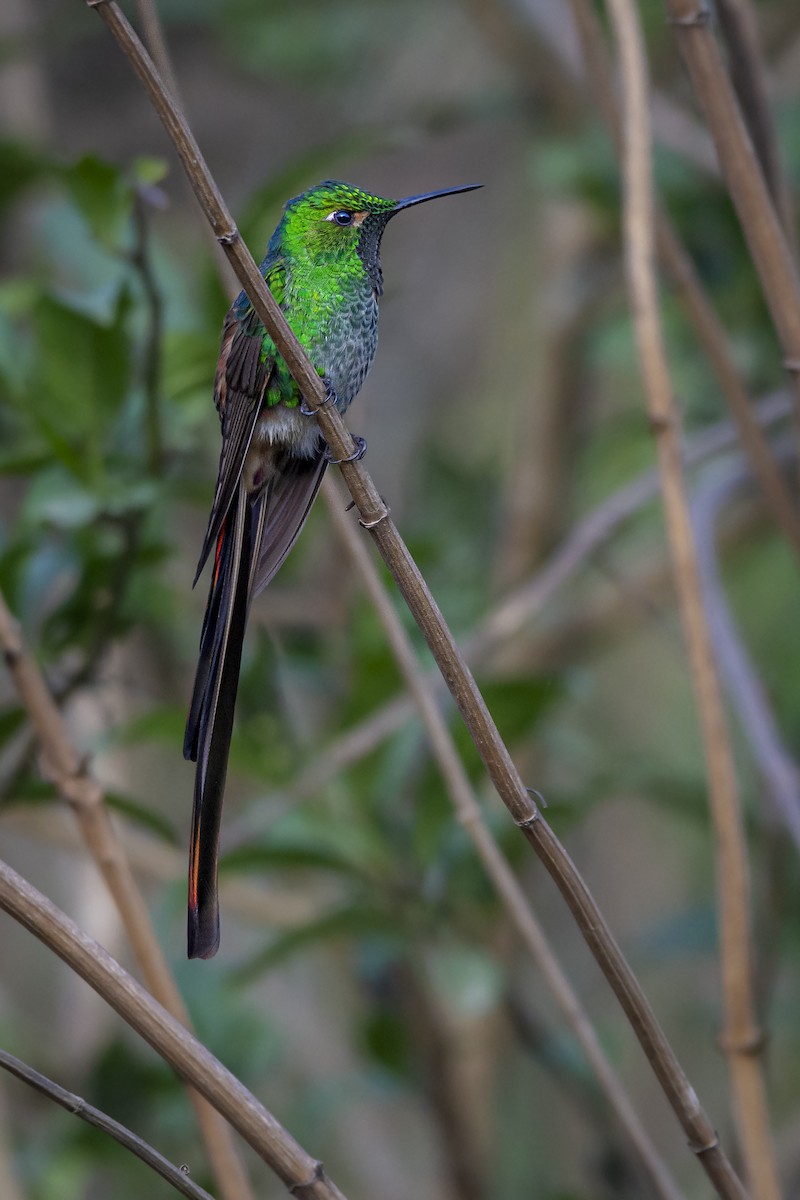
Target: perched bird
{"points": [[323, 267]]}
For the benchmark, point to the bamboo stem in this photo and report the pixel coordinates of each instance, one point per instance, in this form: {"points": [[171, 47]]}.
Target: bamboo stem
{"points": [[99, 1120], [303, 1175], [762, 229], [75, 784], [502, 878], [742, 1039], [701, 314]]}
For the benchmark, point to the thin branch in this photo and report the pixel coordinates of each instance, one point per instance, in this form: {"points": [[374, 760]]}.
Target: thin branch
{"points": [[156, 43], [742, 1037], [524, 603], [679, 266], [533, 35], [501, 876], [75, 784], [437, 1040], [271, 907], [746, 693], [771, 254], [100, 1120], [739, 27], [375, 518], [303, 1175]]}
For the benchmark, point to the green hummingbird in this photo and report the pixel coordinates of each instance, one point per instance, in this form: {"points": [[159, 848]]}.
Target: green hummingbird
{"points": [[323, 267]]}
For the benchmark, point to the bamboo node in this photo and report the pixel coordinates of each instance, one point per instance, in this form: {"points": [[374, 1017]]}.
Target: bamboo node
{"points": [[699, 1148], [373, 521], [792, 365], [701, 16], [297, 1189], [225, 239], [528, 822], [659, 422], [752, 1043]]}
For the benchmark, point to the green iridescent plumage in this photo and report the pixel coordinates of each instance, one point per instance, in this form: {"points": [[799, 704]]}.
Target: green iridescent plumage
{"points": [[326, 277], [323, 268]]}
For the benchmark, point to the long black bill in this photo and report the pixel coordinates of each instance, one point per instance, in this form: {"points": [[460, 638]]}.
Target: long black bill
{"points": [[412, 200]]}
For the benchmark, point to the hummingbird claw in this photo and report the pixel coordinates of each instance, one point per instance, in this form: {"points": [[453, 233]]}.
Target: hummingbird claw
{"points": [[330, 398], [358, 453], [376, 520]]}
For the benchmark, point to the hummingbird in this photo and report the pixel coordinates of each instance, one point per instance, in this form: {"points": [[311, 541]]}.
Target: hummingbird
{"points": [[323, 267]]}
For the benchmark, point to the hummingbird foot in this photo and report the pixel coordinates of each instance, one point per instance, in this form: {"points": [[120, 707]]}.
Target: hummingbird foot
{"points": [[358, 453], [330, 398]]}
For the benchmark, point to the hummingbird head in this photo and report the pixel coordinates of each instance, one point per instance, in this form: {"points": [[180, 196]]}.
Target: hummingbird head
{"points": [[337, 223]]}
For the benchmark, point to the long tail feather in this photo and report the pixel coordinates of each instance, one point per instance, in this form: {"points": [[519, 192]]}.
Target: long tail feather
{"points": [[251, 544], [210, 722]]}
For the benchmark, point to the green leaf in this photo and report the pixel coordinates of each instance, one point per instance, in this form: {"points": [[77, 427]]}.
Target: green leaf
{"points": [[10, 721], [18, 296], [386, 1038], [355, 920], [141, 814], [20, 166], [80, 378], [517, 704], [56, 498], [469, 980], [164, 723], [148, 171], [287, 856], [103, 196], [23, 460]]}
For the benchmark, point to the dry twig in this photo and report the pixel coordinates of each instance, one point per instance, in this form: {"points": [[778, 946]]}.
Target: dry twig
{"points": [[737, 21], [525, 603], [94, 1116], [742, 1037], [76, 785], [496, 867], [746, 693], [760, 225], [680, 268], [303, 1175]]}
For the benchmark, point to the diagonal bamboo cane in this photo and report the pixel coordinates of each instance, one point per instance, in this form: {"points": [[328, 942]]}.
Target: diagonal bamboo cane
{"points": [[95, 1117], [303, 1175], [509, 892], [83, 794], [740, 167]]}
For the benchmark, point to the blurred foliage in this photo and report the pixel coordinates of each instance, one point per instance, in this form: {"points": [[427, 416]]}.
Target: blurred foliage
{"points": [[108, 339]]}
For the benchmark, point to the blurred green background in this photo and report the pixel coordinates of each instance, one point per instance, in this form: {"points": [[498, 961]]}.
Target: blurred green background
{"points": [[369, 988]]}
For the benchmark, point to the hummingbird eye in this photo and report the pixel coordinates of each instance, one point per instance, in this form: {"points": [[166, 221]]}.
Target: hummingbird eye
{"points": [[341, 217]]}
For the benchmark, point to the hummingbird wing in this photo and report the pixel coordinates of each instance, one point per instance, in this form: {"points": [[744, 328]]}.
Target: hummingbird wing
{"points": [[241, 381], [292, 492]]}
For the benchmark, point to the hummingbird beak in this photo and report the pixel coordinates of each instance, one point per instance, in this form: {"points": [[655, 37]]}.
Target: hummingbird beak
{"points": [[412, 200]]}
